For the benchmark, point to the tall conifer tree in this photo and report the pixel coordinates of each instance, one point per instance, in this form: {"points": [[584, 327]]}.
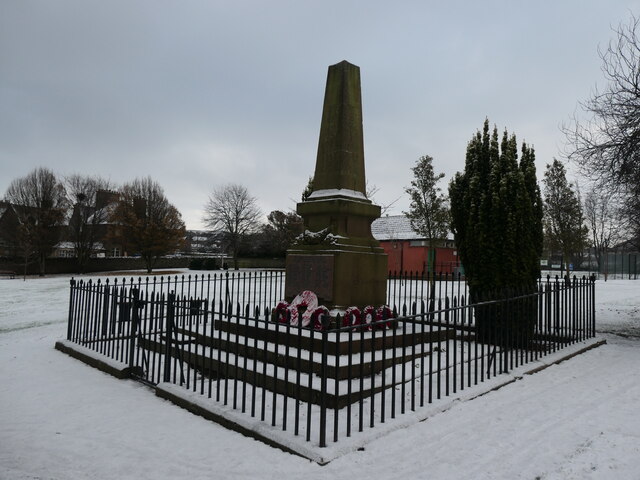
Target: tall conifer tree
{"points": [[429, 210], [564, 223], [496, 212]]}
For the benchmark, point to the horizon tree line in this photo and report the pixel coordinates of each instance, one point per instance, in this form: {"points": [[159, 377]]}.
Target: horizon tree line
{"points": [[49, 209]]}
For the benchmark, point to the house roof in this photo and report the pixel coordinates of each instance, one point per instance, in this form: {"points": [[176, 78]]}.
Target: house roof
{"points": [[105, 214], [396, 227]]}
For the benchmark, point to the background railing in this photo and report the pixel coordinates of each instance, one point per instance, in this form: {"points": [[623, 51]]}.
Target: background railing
{"points": [[214, 335]]}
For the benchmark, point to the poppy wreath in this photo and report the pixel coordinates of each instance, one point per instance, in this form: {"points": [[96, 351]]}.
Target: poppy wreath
{"points": [[316, 317], [308, 301], [294, 310], [281, 312], [385, 313], [369, 315], [352, 317], [372, 315]]}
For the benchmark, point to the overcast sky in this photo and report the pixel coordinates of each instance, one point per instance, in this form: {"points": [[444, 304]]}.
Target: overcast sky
{"points": [[198, 94]]}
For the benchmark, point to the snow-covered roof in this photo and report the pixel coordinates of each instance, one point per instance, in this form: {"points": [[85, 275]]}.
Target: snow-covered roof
{"points": [[104, 214], [396, 227]]}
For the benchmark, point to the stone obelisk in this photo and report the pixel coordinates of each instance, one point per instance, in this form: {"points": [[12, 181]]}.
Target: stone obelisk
{"points": [[337, 257]]}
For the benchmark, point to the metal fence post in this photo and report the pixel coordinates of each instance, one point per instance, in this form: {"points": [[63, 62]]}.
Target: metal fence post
{"points": [[171, 299], [134, 324], [323, 390], [593, 305], [71, 312]]}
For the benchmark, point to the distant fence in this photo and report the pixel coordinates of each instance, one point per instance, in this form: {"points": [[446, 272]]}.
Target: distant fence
{"points": [[620, 265], [106, 264], [214, 335]]}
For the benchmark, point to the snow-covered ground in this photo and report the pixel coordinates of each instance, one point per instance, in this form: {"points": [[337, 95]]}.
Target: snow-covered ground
{"points": [[60, 419]]}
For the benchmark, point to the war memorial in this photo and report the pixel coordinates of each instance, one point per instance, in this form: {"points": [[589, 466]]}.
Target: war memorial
{"points": [[338, 258], [333, 352]]}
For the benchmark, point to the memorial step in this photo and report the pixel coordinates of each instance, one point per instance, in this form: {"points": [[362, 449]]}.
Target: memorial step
{"points": [[303, 385]]}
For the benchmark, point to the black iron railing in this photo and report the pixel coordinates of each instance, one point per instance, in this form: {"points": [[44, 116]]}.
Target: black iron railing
{"points": [[215, 335]]}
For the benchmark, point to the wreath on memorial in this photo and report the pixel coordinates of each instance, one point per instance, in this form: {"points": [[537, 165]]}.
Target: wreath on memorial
{"points": [[305, 303], [368, 318], [281, 312], [352, 317], [369, 315], [303, 310], [316, 317], [384, 313]]}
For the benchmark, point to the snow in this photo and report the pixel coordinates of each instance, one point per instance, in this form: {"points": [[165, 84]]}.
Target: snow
{"points": [[337, 192], [396, 227], [61, 419]]}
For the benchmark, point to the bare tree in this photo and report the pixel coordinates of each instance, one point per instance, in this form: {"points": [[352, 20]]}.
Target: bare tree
{"points": [[151, 226], [232, 210], [607, 144], [601, 212], [87, 215], [630, 220], [371, 191], [41, 205]]}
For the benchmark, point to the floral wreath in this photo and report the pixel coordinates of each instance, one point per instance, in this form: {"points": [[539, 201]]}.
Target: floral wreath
{"points": [[369, 315], [352, 317], [307, 300], [384, 313], [372, 317], [290, 312], [313, 314], [316, 317], [281, 312]]}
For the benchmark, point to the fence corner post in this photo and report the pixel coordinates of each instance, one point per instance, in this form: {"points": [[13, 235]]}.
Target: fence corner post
{"points": [[593, 305], [135, 302], [72, 287], [171, 299]]}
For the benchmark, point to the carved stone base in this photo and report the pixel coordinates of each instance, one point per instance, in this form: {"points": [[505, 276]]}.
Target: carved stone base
{"points": [[340, 278]]}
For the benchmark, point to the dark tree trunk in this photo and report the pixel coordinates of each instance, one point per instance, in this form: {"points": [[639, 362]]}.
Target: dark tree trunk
{"points": [[41, 263]]}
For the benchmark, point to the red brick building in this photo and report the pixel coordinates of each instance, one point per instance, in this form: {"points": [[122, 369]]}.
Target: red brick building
{"points": [[407, 251]]}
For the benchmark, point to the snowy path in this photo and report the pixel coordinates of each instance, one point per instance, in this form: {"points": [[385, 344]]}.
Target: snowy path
{"points": [[61, 419]]}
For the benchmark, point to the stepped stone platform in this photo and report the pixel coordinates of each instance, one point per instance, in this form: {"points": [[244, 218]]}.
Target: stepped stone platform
{"points": [[289, 360], [342, 343]]}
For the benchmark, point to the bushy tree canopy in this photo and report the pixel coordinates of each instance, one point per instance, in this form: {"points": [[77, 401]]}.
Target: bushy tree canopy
{"points": [[496, 213], [280, 231], [563, 217], [151, 226], [428, 210]]}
